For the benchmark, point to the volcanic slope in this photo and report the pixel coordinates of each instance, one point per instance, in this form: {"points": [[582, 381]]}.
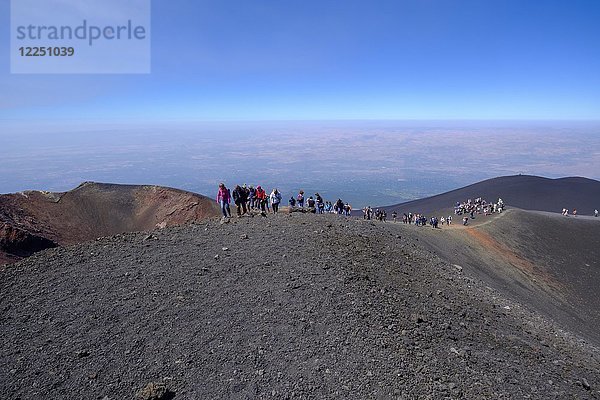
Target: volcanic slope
{"points": [[34, 220], [546, 260], [520, 191], [288, 306]]}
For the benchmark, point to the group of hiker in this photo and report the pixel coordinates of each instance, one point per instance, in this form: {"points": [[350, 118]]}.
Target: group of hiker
{"points": [[369, 214], [478, 206], [565, 212], [465, 209], [378, 215], [248, 199], [410, 218], [422, 220], [319, 206]]}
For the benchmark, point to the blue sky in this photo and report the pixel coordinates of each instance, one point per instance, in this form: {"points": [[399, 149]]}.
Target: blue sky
{"points": [[263, 60]]}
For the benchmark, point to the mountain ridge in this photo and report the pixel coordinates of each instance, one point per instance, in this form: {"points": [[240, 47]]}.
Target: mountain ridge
{"points": [[527, 192]]}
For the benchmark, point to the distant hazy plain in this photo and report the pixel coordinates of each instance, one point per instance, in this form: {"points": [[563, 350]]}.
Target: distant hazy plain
{"points": [[363, 162]]}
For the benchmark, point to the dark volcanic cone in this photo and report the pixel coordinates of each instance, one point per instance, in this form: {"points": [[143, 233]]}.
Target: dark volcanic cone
{"points": [[520, 191], [32, 221]]}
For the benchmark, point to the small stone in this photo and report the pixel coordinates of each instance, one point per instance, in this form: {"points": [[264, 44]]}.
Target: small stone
{"points": [[585, 384], [418, 318], [458, 267], [225, 249], [154, 391], [244, 236], [216, 257], [83, 353]]}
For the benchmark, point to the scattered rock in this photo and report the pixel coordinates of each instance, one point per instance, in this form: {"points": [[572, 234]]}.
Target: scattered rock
{"points": [[155, 391], [418, 318], [585, 384], [83, 353]]}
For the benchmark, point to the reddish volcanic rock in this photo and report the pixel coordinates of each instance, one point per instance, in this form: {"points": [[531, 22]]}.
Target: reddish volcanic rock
{"points": [[32, 221]]}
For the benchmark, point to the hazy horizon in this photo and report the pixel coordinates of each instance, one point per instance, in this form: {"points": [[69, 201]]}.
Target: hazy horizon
{"points": [[363, 162]]}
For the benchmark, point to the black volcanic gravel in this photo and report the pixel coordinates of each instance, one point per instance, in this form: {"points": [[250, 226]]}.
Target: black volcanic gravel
{"points": [[291, 306]]}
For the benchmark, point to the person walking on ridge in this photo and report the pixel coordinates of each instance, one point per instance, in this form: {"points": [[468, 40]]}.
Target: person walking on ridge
{"points": [[320, 205], [275, 198], [261, 199], [300, 199], [240, 198], [251, 198], [223, 198]]}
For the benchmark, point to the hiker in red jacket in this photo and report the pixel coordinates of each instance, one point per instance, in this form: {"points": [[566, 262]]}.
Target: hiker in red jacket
{"points": [[261, 197], [224, 198]]}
